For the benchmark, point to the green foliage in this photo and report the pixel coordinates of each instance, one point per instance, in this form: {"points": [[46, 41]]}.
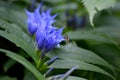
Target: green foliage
{"points": [[93, 51], [72, 78], [93, 6], [7, 78], [102, 34], [24, 62], [14, 15], [9, 64], [69, 54], [17, 36], [88, 35]]}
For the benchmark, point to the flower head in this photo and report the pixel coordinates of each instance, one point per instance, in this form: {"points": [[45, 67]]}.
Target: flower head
{"points": [[41, 24], [48, 39], [42, 20]]}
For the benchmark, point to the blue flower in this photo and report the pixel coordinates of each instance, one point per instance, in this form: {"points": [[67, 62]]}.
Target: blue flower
{"points": [[41, 24], [48, 39], [33, 20]]}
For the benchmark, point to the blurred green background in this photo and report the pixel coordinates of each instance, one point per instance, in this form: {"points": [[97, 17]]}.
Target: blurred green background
{"points": [[103, 39]]}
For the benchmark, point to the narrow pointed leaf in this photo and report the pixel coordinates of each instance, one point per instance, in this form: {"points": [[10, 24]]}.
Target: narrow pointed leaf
{"points": [[24, 62], [67, 64], [71, 78], [75, 53], [20, 42]]}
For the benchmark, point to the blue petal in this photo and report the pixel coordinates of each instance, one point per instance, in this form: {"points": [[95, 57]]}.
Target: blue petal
{"points": [[60, 30], [29, 14], [48, 12], [38, 8], [41, 41], [52, 45], [32, 28]]}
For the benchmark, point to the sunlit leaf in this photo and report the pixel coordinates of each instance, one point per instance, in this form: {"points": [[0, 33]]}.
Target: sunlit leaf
{"points": [[97, 5]]}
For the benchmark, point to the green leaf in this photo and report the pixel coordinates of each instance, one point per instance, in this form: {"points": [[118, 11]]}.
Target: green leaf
{"points": [[112, 32], [75, 78], [90, 35], [67, 64], [109, 52], [28, 75], [8, 64], [7, 78], [13, 28], [54, 1], [16, 16], [73, 52], [79, 57], [71, 78], [97, 5], [64, 7], [24, 62], [20, 42]]}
